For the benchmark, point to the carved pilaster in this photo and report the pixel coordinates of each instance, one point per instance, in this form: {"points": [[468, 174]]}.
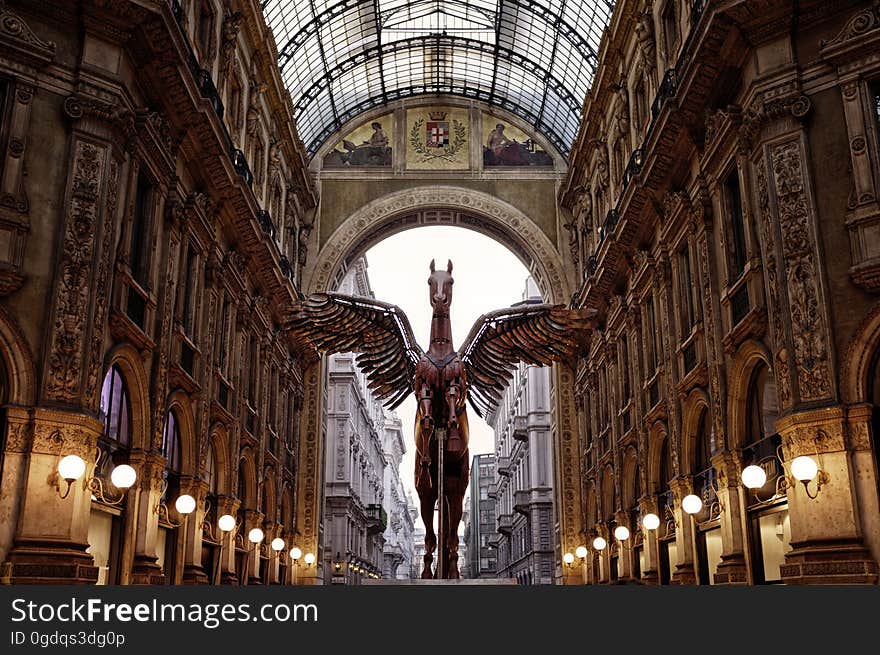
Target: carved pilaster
{"points": [[65, 364]]}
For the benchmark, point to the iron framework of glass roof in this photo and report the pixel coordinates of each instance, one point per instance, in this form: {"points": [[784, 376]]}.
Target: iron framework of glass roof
{"points": [[534, 58]]}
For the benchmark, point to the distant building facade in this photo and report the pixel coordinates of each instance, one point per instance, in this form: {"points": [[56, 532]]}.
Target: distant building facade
{"points": [[524, 474], [480, 526], [398, 550], [356, 479]]}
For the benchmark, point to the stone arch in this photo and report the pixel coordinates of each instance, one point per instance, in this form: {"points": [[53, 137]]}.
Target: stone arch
{"points": [[592, 506], [19, 362], [287, 505], [180, 404], [128, 360], [249, 472], [269, 505], [475, 210], [860, 353], [657, 436], [749, 356], [219, 439], [607, 489], [693, 407], [629, 479]]}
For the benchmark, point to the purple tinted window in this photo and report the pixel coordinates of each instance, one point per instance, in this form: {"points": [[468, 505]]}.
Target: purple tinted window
{"points": [[115, 407]]}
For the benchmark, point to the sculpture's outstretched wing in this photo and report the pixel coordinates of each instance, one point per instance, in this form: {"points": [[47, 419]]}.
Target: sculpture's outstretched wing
{"points": [[529, 332], [379, 333]]}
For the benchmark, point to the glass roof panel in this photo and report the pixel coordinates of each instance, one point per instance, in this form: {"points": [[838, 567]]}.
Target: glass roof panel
{"points": [[535, 58]]}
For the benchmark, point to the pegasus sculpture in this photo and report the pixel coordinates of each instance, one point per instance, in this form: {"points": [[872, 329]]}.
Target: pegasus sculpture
{"points": [[441, 378]]}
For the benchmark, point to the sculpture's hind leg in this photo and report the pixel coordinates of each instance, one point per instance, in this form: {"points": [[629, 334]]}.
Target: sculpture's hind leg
{"points": [[427, 501], [455, 485], [426, 487]]}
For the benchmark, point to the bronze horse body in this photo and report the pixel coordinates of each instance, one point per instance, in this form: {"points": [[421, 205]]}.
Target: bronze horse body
{"points": [[442, 378], [441, 390]]}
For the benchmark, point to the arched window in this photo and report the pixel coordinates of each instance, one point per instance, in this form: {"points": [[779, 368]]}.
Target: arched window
{"points": [[668, 546], [770, 533], [106, 519], [702, 444], [116, 408], [211, 470], [167, 544], [242, 484], [171, 443]]}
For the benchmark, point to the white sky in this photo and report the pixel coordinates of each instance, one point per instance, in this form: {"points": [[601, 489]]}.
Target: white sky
{"points": [[487, 276]]}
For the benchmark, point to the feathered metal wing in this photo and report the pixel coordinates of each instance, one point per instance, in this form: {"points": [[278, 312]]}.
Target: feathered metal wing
{"points": [[379, 333], [529, 332]]}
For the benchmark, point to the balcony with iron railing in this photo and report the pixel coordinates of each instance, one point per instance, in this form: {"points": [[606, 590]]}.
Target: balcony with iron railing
{"points": [[505, 524], [667, 91], [521, 501], [520, 428], [377, 518]]}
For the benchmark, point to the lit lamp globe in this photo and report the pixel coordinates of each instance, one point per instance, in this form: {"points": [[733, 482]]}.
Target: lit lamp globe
{"points": [[650, 522], [309, 559], [804, 468], [123, 476], [568, 558], [255, 536], [691, 504], [753, 477], [599, 543], [581, 551], [226, 523], [71, 468], [295, 553], [278, 544], [185, 504], [621, 532]]}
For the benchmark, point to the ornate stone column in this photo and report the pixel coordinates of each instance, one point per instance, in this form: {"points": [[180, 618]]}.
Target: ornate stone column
{"points": [[732, 569], [685, 571], [253, 519], [625, 553], [60, 558], [826, 536], [192, 554], [145, 569], [650, 543], [604, 555], [826, 532], [228, 505]]}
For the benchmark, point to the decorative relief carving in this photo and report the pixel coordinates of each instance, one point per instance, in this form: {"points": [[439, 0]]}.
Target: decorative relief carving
{"points": [[805, 305], [777, 331], [101, 285], [65, 361], [19, 40], [857, 26], [230, 29], [160, 381], [716, 393]]}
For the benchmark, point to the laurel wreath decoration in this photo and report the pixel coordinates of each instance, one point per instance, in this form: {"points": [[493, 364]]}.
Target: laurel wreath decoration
{"points": [[448, 153]]}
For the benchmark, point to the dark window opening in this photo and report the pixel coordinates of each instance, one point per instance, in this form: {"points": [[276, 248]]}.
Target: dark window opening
{"points": [[738, 254], [140, 228]]}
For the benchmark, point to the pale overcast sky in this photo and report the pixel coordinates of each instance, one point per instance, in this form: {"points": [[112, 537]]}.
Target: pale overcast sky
{"points": [[487, 276]]}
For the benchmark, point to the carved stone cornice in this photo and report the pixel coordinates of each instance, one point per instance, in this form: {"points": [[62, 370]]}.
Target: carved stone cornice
{"points": [[852, 40], [18, 41]]}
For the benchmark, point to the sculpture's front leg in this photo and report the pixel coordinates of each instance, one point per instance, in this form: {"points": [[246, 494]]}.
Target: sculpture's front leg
{"points": [[453, 394]]}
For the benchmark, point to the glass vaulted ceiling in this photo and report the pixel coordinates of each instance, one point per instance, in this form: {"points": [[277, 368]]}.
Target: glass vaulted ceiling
{"points": [[535, 58]]}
